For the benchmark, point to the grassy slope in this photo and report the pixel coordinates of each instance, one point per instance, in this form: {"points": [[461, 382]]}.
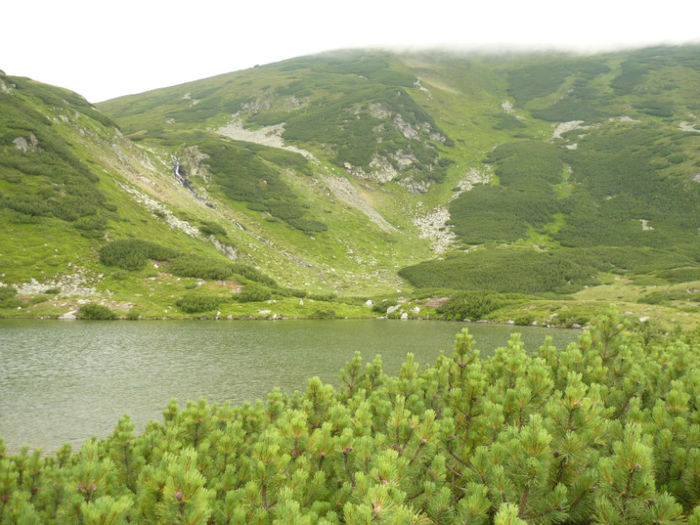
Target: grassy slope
{"points": [[46, 245], [580, 198]]}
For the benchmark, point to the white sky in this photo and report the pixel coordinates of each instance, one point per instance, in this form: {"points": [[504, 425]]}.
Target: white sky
{"points": [[103, 49]]}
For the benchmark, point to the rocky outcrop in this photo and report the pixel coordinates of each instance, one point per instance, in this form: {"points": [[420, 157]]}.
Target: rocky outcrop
{"points": [[71, 284], [184, 181], [160, 210], [433, 224], [5, 89], [563, 127], [25, 145], [687, 126], [268, 136]]}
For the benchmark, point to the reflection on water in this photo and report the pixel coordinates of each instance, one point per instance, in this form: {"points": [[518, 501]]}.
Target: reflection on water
{"points": [[66, 381]]}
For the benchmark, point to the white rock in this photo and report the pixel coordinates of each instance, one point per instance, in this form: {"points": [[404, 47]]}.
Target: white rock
{"points": [[392, 309], [264, 312], [404, 316], [369, 302]]}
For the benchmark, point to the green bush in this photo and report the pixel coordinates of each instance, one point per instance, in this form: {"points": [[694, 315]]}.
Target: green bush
{"points": [[7, 297], [505, 270], [524, 319], [201, 267], [197, 302], [133, 315], [680, 275], [508, 122], [323, 296], [96, 312], [322, 314], [250, 273], [308, 225], [291, 292], [253, 293], [132, 254], [470, 305], [212, 228], [91, 226]]}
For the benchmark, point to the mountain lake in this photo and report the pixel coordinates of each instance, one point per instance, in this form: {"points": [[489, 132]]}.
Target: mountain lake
{"points": [[65, 381]]}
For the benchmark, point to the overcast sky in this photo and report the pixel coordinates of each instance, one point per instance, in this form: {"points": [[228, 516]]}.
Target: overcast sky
{"points": [[104, 49]]}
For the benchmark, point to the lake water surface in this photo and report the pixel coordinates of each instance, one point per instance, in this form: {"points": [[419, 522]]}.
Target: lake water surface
{"points": [[65, 381]]}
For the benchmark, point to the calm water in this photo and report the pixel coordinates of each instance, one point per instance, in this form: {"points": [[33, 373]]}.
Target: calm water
{"points": [[63, 381]]}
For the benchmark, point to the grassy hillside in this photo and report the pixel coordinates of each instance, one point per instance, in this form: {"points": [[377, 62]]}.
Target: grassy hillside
{"points": [[73, 191], [386, 176]]}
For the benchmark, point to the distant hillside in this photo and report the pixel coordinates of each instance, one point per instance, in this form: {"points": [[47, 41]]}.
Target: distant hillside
{"points": [[360, 173]]}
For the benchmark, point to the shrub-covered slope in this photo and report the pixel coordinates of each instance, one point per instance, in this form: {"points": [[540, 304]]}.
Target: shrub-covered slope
{"points": [[553, 152], [87, 216], [603, 431], [360, 173]]}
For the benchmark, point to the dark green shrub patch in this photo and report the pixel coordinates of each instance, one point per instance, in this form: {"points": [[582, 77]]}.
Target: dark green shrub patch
{"points": [[680, 275], [192, 303], [323, 314], [323, 296], [250, 273], [200, 267], [96, 312], [308, 225], [7, 297], [291, 292], [91, 226], [524, 319], [212, 228], [470, 305], [503, 270], [244, 174], [541, 79], [253, 293], [132, 254], [668, 296]]}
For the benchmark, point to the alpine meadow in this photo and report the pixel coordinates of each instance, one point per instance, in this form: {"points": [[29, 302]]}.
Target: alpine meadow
{"points": [[548, 189]]}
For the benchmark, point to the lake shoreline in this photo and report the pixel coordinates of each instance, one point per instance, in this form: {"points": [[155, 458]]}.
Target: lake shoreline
{"points": [[285, 318]]}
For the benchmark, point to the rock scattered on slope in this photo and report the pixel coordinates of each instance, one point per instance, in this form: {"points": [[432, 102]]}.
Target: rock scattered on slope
{"points": [[72, 284], [433, 225], [563, 127], [270, 136]]}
